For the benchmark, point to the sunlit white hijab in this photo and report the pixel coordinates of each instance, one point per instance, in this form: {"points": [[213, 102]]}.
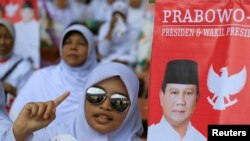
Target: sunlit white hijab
{"points": [[77, 76], [131, 128]]}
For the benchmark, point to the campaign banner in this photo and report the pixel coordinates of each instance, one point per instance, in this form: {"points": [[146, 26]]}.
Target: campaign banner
{"points": [[203, 47]]}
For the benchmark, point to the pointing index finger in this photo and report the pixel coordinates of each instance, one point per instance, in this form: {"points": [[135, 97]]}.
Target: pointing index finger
{"points": [[61, 98]]}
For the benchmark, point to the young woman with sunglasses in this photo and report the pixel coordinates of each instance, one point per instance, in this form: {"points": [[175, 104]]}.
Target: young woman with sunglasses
{"points": [[108, 111]]}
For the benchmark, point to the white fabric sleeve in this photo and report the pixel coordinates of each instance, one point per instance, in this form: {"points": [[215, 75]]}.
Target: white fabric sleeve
{"points": [[25, 95], [41, 135], [7, 135]]}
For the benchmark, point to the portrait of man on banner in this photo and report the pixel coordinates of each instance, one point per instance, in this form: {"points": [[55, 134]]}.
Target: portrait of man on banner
{"points": [[178, 96]]}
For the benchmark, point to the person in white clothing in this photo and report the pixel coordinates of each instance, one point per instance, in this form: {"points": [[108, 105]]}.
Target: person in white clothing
{"points": [[116, 41], [101, 9], [78, 60], [27, 35], [108, 111], [61, 12], [14, 70], [178, 98], [137, 14]]}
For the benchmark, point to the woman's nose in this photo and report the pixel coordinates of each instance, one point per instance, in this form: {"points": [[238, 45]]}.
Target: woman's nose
{"points": [[106, 105], [73, 46]]}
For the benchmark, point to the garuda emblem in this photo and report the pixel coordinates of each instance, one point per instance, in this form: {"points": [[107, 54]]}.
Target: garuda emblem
{"points": [[223, 86]]}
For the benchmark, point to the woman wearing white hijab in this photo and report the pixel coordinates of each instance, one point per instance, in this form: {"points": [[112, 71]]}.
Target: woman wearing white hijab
{"points": [[108, 111], [136, 14], [14, 70], [78, 59]]}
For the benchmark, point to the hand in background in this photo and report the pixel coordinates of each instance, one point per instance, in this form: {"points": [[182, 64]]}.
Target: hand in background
{"points": [[113, 21], [35, 116], [8, 88], [111, 28]]}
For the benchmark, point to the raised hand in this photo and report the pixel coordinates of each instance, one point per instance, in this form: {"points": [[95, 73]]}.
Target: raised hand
{"points": [[114, 21], [111, 28], [35, 116]]}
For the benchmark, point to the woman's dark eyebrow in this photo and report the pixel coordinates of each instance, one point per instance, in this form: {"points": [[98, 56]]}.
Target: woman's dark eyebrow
{"points": [[98, 86]]}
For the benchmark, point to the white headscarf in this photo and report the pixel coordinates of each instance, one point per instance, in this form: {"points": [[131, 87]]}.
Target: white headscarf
{"points": [[131, 128], [78, 75], [117, 6]]}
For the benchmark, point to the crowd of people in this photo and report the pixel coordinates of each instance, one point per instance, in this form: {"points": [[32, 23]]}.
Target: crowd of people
{"points": [[104, 49]]}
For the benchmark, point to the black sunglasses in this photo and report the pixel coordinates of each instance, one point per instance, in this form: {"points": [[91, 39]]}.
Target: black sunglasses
{"points": [[119, 102]]}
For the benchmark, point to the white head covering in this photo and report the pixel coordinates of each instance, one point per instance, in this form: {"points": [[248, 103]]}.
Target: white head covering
{"points": [[78, 75], [131, 128], [117, 6], [120, 6]]}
